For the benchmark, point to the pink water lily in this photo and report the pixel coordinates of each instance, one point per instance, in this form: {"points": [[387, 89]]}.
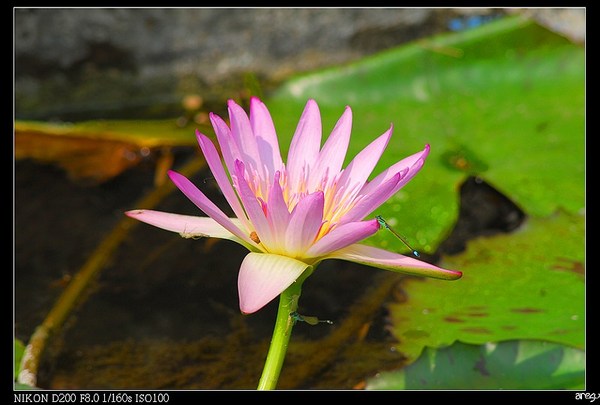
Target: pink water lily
{"points": [[293, 215]]}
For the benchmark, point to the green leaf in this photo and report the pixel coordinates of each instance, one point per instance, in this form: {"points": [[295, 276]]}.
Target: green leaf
{"points": [[527, 285], [505, 101], [19, 349], [512, 365]]}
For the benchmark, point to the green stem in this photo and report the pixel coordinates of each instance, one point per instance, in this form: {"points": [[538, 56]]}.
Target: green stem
{"points": [[288, 304]]}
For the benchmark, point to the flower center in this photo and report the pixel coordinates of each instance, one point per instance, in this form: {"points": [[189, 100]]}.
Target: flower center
{"points": [[339, 198]]}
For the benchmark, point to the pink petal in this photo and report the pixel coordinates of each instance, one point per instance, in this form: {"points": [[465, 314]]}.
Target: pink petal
{"points": [[229, 148], [266, 137], [241, 132], [305, 144], [359, 170], [207, 206], [369, 203], [412, 171], [332, 155], [386, 260], [413, 163], [305, 222], [186, 225], [252, 206], [263, 277], [342, 236], [277, 214], [216, 167]]}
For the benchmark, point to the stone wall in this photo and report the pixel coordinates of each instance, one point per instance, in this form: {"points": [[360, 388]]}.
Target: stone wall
{"points": [[99, 62], [85, 63]]}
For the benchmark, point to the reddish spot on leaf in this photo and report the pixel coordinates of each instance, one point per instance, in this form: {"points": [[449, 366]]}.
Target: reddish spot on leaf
{"points": [[478, 314], [566, 264], [453, 319], [526, 310]]}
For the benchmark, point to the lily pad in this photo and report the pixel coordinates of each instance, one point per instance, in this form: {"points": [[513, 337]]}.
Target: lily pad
{"points": [[505, 101], [512, 365], [526, 285]]}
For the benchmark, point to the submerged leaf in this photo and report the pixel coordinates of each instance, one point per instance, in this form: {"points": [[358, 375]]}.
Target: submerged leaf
{"points": [[97, 151], [512, 365]]}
